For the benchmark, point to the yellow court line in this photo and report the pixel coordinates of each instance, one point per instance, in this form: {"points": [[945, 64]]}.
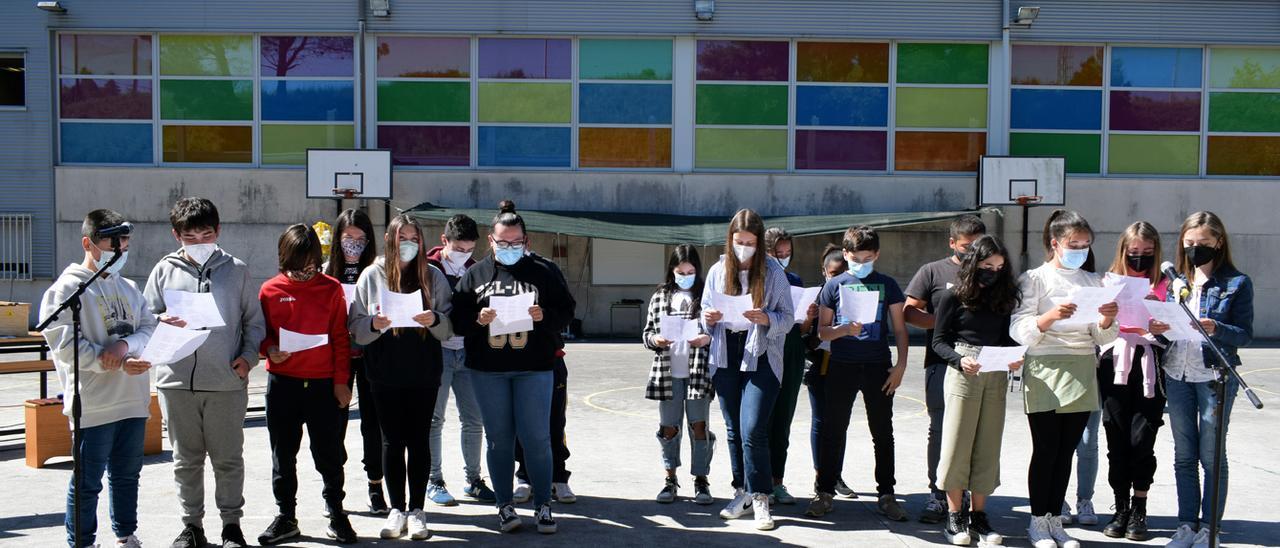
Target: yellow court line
{"points": [[1252, 371]]}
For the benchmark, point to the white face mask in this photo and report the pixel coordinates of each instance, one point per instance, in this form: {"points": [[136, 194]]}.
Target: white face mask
{"points": [[199, 253], [106, 256], [744, 253], [785, 262], [458, 260]]}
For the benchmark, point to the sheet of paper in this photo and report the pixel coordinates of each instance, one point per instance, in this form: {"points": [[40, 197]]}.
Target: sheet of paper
{"points": [[197, 309], [677, 329], [513, 314], [291, 341], [349, 292], [169, 344], [733, 307], [998, 358], [1087, 301], [801, 298], [400, 308], [859, 306], [1180, 327], [1135, 290]]}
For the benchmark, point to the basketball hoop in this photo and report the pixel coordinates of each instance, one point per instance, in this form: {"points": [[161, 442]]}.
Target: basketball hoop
{"points": [[346, 193], [1028, 200]]}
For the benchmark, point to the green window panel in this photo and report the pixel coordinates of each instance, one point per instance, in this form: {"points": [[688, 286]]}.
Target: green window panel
{"points": [[424, 101], [732, 104], [284, 144], [624, 59], [740, 148], [206, 55], [942, 107], [1239, 111], [1244, 68], [1083, 151], [1153, 154], [942, 63], [206, 99], [528, 102]]}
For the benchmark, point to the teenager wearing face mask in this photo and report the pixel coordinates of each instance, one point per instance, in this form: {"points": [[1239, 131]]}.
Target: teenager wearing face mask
{"points": [[512, 373], [679, 380], [306, 387], [1222, 298], [818, 357], [778, 244], [1060, 384], [454, 254], [1132, 394], [746, 359], [355, 252], [205, 396], [860, 362], [972, 314], [403, 365]]}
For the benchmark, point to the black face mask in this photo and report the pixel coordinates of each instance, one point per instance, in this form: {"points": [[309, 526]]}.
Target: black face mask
{"points": [[1140, 263], [1200, 255], [986, 278]]}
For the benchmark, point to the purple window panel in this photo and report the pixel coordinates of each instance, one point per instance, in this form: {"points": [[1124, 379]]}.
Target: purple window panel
{"points": [[427, 145], [525, 58], [843, 150], [1155, 110], [307, 56], [743, 60], [105, 99]]}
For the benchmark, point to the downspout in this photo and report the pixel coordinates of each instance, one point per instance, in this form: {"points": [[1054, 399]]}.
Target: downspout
{"points": [[362, 8], [1006, 61]]}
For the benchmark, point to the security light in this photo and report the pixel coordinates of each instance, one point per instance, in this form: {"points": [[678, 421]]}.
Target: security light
{"points": [[52, 7], [380, 8], [704, 10], [1026, 15]]}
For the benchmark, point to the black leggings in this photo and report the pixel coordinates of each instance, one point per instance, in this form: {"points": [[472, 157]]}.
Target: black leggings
{"points": [[404, 416], [1054, 437], [559, 441], [1132, 421]]}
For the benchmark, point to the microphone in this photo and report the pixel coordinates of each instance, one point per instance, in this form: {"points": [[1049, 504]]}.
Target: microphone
{"points": [[122, 229], [1183, 289], [1170, 272]]}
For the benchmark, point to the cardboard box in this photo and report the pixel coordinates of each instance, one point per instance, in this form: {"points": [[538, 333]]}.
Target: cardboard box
{"points": [[13, 319]]}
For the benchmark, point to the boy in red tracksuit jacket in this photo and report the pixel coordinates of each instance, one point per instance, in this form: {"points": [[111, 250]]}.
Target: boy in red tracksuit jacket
{"points": [[306, 386]]}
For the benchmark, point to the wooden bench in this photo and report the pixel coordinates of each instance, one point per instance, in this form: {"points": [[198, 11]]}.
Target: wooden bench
{"points": [[48, 431]]}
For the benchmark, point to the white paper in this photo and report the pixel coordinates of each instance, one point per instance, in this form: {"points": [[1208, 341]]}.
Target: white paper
{"points": [[733, 307], [1180, 327], [859, 306], [1132, 312], [1087, 301], [349, 293], [197, 309], [169, 344], [400, 308], [801, 298], [291, 341], [998, 358], [677, 329], [513, 314]]}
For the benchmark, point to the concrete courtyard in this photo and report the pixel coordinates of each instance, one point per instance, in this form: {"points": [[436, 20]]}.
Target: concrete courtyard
{"points": [[617, 471]]}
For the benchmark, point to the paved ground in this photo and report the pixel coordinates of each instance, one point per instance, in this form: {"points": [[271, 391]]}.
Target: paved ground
{"points": [[617, 470]]}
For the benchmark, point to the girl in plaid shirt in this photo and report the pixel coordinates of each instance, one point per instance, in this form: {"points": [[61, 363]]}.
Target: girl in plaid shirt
{"points": [[678, 379]]}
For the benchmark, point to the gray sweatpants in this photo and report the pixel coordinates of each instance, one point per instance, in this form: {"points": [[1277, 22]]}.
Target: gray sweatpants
{"points": [[207, 423]]}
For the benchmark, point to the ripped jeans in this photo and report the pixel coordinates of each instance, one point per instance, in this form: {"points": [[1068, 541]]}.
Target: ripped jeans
{"points": [[681, 413]]}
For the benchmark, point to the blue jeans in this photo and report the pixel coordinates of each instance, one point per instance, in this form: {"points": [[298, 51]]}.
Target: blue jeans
{"points": [[1191, 406], [1087, 458], [516, 404], [674, 413], [746, 401], [455, 374], [115, 448]]}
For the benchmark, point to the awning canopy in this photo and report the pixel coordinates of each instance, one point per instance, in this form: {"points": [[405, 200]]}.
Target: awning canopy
{"points": [[677, 229]]}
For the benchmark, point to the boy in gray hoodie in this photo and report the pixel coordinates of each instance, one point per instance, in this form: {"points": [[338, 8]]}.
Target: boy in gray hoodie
{"points": [[204, 397], [114, 386]]}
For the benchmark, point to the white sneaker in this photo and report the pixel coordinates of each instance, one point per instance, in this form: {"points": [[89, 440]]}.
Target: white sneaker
{"points": [[129, 542], [1038, 533], [1060, 535], [561, 493], [738, 506], [522, 493], [1182, 538], [418, 525], [1084, 512], [395, 526], [1066, 513], [764, 519], [1202, 538]]}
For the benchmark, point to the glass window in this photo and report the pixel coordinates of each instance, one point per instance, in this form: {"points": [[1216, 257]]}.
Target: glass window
{"points": [[206, 55], [501, 146], [206, 99], [427, 145], [307, 56], [1035, 65], [400, 101], [422, 57], [105, 99], [842, 150], [743, 60], [942, 107], [105, 143], [842, 106], [308, 100], [842, 62], [1238, 111], [13, 80], [1155, 110], [730, 104], [1244, 68], [525, 58], [1153, 154], [938, 150], [942, 63], [624, 147], [1083, 151], [740, 148], [208, 144], [1155, 67], [1232, 155], [288, 143], [624, 103], [103, 54], [600, 59], [525, 102], [1056, 109]]}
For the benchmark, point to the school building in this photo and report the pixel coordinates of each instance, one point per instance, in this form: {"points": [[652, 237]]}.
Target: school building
{"points": [[871, 109]]}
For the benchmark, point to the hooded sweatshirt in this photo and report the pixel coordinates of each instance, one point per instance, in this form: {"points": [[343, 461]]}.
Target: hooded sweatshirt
{"points": [[437, 254], [112, 309], [534, 350], [209, 369], [314, 307], [404, 357]]}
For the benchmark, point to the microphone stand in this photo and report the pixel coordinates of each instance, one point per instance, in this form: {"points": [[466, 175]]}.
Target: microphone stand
{"points": [[73, 303], [1223, 369]]}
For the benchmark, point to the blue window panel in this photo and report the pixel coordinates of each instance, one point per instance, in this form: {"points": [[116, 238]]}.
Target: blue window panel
{"points": [[308, 100], [503, 146], [624, 103], [842, 106], [1056, 109], [1155, 67], [95, 143]]}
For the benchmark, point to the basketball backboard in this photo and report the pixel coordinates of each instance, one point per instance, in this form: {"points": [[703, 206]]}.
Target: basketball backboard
{"points": [[348, 173], [1002, 180]]}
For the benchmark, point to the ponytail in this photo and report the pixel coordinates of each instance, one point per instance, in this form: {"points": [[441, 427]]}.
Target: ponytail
{"points": [[1063, 223]]}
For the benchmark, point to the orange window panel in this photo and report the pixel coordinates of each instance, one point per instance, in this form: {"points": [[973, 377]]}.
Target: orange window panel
{"points": [[938, 150], [624, 147]]}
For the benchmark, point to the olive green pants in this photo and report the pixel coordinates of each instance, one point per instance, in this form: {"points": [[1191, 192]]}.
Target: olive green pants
{"points": [[972, 430]]}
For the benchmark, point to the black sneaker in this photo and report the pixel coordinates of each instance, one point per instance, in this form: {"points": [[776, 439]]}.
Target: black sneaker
{"points": [[377, 504], [980, 530], [546, 523], [668, 493], [232, 536], [281, 528], [1119, 524], [340, 529], [702, 491], [1137, 527], [328, 510], [508, 520], [190, 537], [956, 530]]}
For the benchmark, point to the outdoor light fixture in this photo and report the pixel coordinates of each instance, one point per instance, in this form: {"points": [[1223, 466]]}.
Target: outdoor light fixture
{"points": [[52, 7], [1026, 15], [380, 8], [704, 10]]}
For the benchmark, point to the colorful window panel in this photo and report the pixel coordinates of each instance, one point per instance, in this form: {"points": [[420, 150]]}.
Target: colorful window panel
{"points": [[1244, 112], [524, 92], [624, 103], [842, 106], [741, 104], [307, 96], [940, 112], [105, 94], [1155, 111], [206, 98], [424, 100], [1056, 103]]}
